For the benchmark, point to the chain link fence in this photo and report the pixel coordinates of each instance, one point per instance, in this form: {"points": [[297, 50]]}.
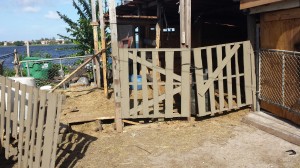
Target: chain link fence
{"points": [[51, 71], [280, 79]]}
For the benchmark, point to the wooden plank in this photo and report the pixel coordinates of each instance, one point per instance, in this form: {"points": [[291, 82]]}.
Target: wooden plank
{"points": [[182, 22], [116, 73], [15, 117], [253, 72], [237, 80], [49, 129], [229, 79], [169, 58], [96, 42], [135, 84], [160, 98], [229, 54], [56, 130], [211, 78], [40, 126], [125, 82], [186, 84], [8, 117], [247, 76], [199, 81], [2, 109], [145, 85], [36, 107], [281, 15], [103, 45], [245, 4], [155, 85], [157, 68], [21, 125], [28, 124], [287, 4], [220, 77], [188, 23]]}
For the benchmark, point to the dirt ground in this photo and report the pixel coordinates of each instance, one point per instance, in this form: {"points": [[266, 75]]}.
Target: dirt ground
{"points": [[221, 141]]}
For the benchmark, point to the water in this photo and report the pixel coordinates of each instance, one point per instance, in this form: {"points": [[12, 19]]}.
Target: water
{"points": [[55, 51]]}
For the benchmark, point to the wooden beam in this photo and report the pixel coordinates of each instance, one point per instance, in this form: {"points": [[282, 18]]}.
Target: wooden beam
{"points": [[282, 15], [188, 23], [96, 42], [103, 46], [116, 66], [276, 6], [76, 70], [182, 22], [245, 4]]}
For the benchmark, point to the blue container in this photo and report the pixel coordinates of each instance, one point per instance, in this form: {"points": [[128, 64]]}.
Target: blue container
{"points": [[139, 81]]}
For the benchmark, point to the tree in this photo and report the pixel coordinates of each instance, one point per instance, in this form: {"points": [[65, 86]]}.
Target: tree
{"points": [[81, 32], [19, 43]]}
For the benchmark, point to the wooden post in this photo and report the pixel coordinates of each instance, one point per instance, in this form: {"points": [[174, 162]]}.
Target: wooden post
{"points": [[27, 48], [116, 66], [16, 63], [103, 45], [96, 42], [185, 23], [182, 22]]}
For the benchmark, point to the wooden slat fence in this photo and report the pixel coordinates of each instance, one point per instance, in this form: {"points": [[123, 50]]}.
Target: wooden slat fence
{"points": [[29, 124], [155, 99], [224, 76]]}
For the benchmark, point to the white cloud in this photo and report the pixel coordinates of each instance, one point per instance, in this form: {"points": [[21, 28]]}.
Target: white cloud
{"points": [[52, 15], [31, 9]]}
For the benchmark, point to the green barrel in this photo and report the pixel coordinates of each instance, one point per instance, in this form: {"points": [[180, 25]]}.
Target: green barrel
{"points": [[38, 70]]}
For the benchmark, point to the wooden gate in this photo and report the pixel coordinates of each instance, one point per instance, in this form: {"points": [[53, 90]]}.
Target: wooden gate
{"points": [[29, 124], [225, 77], [156, 83]]}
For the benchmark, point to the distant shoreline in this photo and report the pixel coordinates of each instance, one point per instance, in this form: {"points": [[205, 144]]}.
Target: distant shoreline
{"points": [[40, 45]]}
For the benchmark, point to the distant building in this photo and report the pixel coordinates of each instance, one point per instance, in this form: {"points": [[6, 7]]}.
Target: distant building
{"points": [[60, 41], [45, 42], [5, 43]]}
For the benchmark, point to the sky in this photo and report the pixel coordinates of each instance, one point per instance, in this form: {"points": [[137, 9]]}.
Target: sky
{"points": [[33, 19]]}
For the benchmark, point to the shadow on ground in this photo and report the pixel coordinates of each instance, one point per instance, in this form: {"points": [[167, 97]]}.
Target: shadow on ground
{"points": [[72, 148]]}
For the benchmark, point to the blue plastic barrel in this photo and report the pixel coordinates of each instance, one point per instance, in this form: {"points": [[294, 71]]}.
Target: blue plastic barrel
{"points": [[139, 81]]}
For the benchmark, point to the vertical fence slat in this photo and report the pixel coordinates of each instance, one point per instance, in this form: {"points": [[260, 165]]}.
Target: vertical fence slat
{"points": [[145, 84], [253, 88], [15, 116], [28, 122], [49, 129], [185, 83], [247, 73], [125, 82], [8, 117], [229, 78], [155, 84], [199, 81], [237, 80], [40, 126], [56, 131], [21, 126], [221, 83], [135, 84], [212, 87], [2, 108], [33, 126], [169, 57]]}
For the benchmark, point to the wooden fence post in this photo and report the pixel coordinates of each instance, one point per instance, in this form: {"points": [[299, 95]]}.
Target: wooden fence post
{"points": [[116, 66], [96, 42], [103, 46], [16, 63]]}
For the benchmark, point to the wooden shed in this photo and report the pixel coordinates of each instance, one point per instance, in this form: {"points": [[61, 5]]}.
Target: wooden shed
{"points": [[276, 26]]}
